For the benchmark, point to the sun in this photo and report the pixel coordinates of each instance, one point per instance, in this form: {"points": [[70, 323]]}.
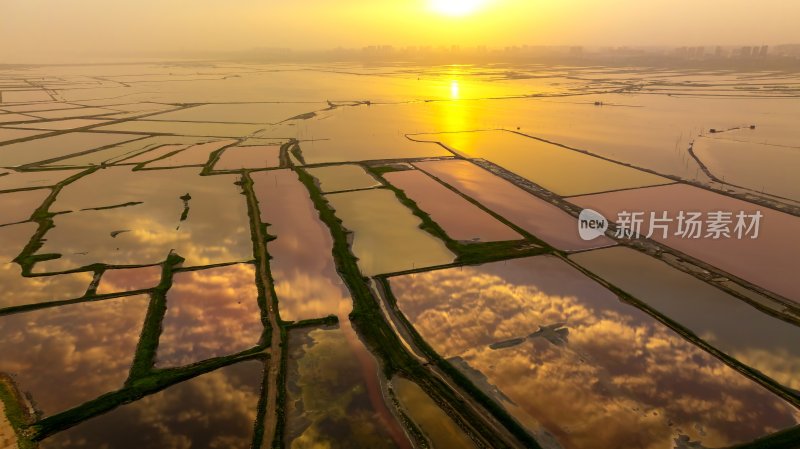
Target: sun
{"points": [[456, 8]]}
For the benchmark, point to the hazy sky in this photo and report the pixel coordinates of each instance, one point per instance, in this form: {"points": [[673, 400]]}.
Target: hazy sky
{"points": [[58, 30]]}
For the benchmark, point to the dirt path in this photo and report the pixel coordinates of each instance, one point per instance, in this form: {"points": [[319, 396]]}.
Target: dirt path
{"points": [[276, 347]]}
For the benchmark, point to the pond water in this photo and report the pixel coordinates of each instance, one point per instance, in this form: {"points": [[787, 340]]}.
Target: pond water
{"points": [[129, 279], [386, 235], [769, 261], [459, 218], [210, 313], [301, 263], [532, 214], [61, 125], [88, 346], [198, 154], [763, 168], [20, 206], [25, 180], [544, 163], [333, 394], [142, 219], [217, 409], [437, 426], [18, 290], [335, 178], [183, 128], [240, 112], [743, 332], [46, 148], [572, 362], [137, 150], [255, 156]]}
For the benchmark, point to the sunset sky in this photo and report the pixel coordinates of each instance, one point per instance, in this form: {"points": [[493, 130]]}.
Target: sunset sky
{"points": [[56, 30]]}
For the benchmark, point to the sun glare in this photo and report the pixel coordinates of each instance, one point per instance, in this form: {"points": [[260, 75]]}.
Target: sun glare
{"points": [[456, 8]]}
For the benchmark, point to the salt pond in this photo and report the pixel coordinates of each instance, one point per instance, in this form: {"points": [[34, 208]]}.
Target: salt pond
{"points": [[532, 214], [743, 332], [333, 394], [88, 346], [387, 237], [769, 261], [544, 163], [335, 178], [570, 361], [216, 409], [459, 218], [141, 219], [210, 313], [301, 259]]}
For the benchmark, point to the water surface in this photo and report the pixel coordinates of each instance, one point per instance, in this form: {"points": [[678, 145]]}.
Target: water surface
{"points": [[333, 395], [546, 164], [572, 362], [769, 261], [47, 148], [198, 154], [532, 214], [459, 218], [213, 410], [25, 180], [210, 313], [184, 128], [240, 112], [726, 322], [88, 346], [141, 219], [763, 168], [301, 256], [335, 178], [129, 279], [255, 156], [20, 206], [386, 235], [18, 290], [437, 426]]}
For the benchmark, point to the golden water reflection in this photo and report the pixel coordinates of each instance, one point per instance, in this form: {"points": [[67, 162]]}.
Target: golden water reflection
{"points": [[615, 378], [546, 164], [532, 214], [335, 178], [769, 261], [301, 260], [147, 220], [255, 156], [17, 290], [754, 338], [129, 279], [459, 218], [333, 396], [16, 207], [386, 235], [44, 178], [210, 313], [88, 346], [214, 410], [426, 413]]}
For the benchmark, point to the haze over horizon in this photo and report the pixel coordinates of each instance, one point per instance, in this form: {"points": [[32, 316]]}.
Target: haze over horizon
{"points": [[49, 31]]}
